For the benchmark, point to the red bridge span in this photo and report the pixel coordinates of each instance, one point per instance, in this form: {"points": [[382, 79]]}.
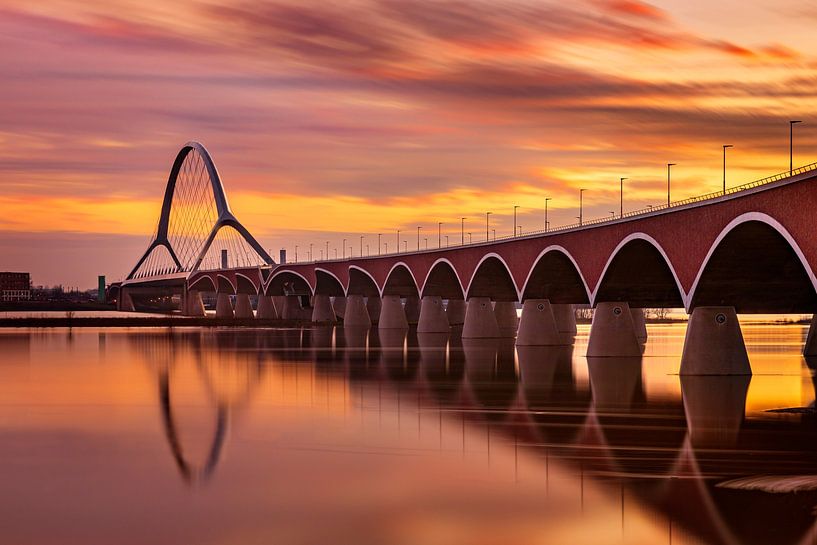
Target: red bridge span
{"points": [[751, 249]]}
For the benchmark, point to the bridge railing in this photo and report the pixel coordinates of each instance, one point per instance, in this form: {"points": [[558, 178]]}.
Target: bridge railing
{"points": [[811, 167]]}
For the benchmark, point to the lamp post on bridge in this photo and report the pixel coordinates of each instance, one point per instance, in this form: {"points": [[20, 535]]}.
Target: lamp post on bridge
{"points": [[546, 213], [514, 222], [310, 251], [405, 245], [426, 240], [439, 234], [386, 246], [791, 145], [669, 165], [487, 220], [296, 253], [446, 241], [418, 237], [378, 243], [581, 204], [462, 230], [398, 241], [494, 232], [367, 250], [724, 166], [336, 252], [621, 197], [327, 249], [344, 248], [470, 238], [361, 245]]}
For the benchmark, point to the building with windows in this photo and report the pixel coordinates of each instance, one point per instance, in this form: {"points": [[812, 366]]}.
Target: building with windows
{"points": [[15, 286]]}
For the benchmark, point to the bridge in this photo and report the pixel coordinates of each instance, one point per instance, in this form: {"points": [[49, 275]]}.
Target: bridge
{"points": [[747, 249]]}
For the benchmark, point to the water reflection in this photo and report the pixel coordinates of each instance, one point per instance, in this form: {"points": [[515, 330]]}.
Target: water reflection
{"points": [[597, 443]]}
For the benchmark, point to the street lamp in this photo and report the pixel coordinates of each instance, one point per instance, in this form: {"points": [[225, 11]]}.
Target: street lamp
{"points": [[418, 237], [621, 197], [520, 230], [310, 251], [612, 213], [470, 239], [546, 213], [336, 252], [487, 216], [581, 194], [669, 165], [405, 245], [791, 145], [462, 230], [361, 245], [378, 242], [724, 166], [344, 248], [398, 241], [514, 221], [494, 231], [327, 249], [446, 241], [426, 241], [296, 253], [439, 234], [386, 246]]}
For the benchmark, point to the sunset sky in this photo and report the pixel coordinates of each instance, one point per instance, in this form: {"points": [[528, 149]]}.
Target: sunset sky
{"points": [[329, 120]]}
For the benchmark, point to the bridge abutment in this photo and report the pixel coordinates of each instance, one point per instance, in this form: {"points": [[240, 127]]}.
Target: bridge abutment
{"points": [[322, 311], [432, 316], [243, 307], [480, 320], [537, 327], [640, 324], [714, 344], [455, 311], [355, 314], [194, 303], [506, 318], [565, 317], [224, 308], [392, 315], [612, 333], [266, 308]]}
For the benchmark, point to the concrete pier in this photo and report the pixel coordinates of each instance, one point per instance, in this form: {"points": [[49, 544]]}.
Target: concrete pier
{"points": [[640, 324], [455, 311], [266, 308], [356, 314], [126, 301], [224, 309], [612, 333], [243, 307], [195, 305], [565, 317], [480, 320], [537, 326], [392, 315], [714, 344], [291, 308], [339, 304], [506, 318], [432, 316], [322, 311], [374, 306], [412, 309], [810, 348]]}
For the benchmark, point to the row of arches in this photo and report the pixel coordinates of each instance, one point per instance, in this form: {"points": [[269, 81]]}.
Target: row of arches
{"points": [[754, 265]]}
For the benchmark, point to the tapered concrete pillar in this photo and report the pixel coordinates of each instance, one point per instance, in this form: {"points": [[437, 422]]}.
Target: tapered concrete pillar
{"points": [[432, 316], [126, 301], [291, 308], [714, 344], [392, 315], [565, 317], [612, 333], [640, 324], [339, 304], [195, 305], [480, 320], [412, 309], [356, 314], [322, 311], [537, 326], [243, 307], [224, 309], [455, 311], [373, 306], [266, 308], [506, 318], [810, 348]]}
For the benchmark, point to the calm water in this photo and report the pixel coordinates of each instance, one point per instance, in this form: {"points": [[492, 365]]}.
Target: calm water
{"points": [[312, 436]]}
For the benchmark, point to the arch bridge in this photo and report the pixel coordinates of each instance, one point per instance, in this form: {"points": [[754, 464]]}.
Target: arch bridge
{"points": [[749, 249]]}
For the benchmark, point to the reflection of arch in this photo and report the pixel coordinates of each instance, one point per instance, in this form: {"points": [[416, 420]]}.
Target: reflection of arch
{"points": [[731, 274], [194, 186], [362, 283], [639, 272], [556, 276], [326, 283], [492, 278], [400, 281], [442, 280], [295, 282], [189, 473]]}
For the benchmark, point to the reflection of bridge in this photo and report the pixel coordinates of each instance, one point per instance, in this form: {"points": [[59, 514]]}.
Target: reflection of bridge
{"points": [[748, 250], [599, 431]]}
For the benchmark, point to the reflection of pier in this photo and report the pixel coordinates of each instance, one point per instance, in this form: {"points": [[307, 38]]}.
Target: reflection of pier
{"points": [[670, 453]]}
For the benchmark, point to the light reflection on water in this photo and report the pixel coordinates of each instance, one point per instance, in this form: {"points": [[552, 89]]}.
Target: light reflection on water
{"points": [[325, 435]]}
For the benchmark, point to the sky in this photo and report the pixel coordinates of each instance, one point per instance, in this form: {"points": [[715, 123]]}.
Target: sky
{"points": [[331, 120]]}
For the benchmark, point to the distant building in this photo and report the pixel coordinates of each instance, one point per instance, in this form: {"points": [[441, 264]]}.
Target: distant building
{"points": [[15, 286]]}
